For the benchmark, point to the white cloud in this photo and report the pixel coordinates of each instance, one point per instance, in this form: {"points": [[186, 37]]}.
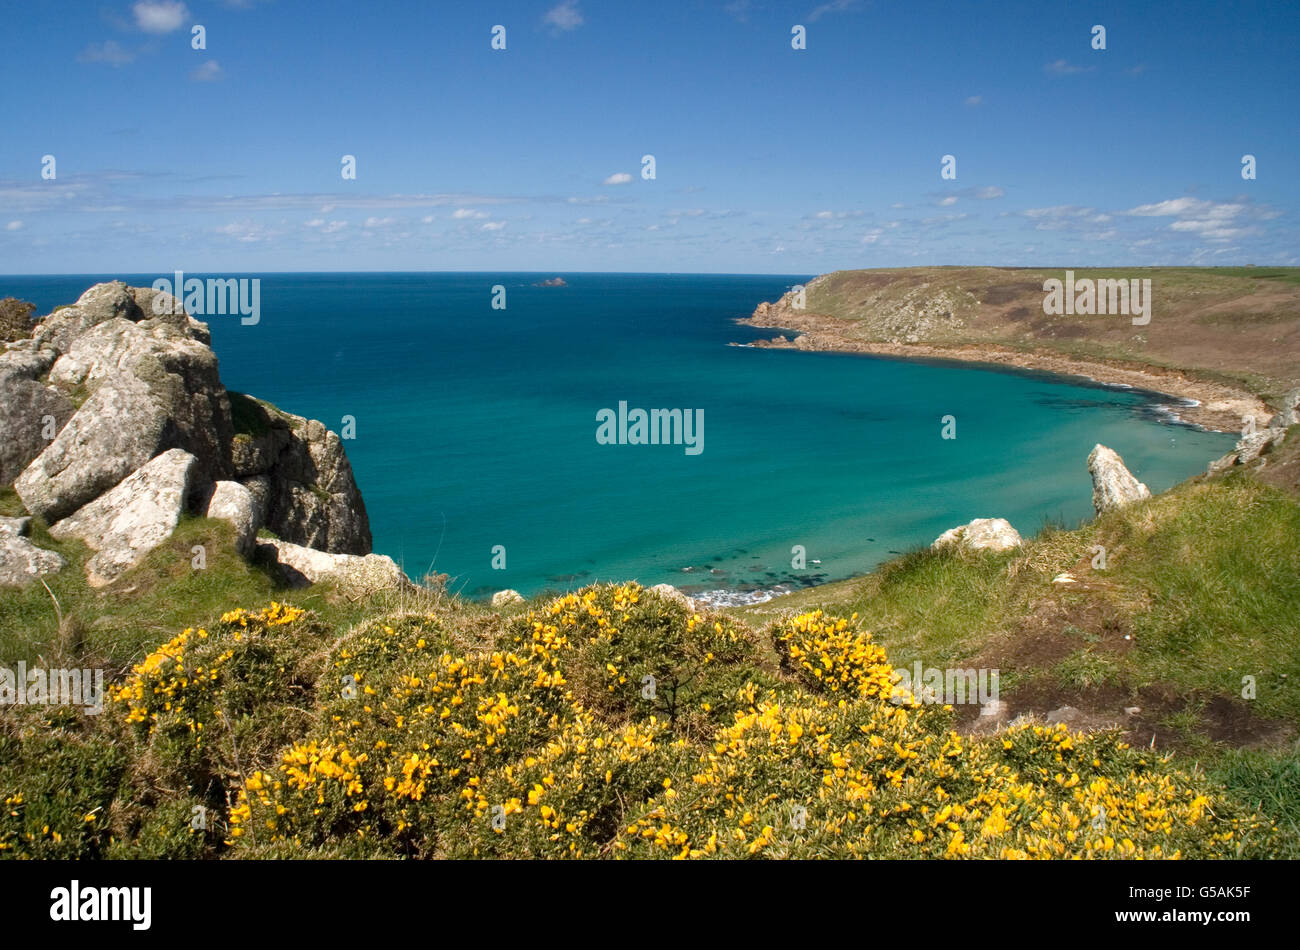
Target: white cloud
{"points": [[247, 232], [944, 219], [834, 215], [988, 192], [493, 225], [738, 10], [947, 202], [109, 51], [427, 219], [1210, 220], [564, 17], [1060, 217], [618, 178], [160, 16], [208, 72], [834, 6], [974, 100], [1063, 67], [1170, 207], [1210, 230], [378, 222], [13, 225], [463, 214]]}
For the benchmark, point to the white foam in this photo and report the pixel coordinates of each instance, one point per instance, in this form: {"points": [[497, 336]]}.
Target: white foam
{"points": [[739, 598]]}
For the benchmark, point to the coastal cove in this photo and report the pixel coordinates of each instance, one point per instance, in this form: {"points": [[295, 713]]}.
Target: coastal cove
{"points": [[476, 429]]}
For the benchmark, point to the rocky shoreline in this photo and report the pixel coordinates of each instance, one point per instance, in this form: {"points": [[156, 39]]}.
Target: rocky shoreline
{"points": [[115, 424], [1207, 403]]}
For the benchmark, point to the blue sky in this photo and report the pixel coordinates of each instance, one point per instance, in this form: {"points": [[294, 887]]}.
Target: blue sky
{"points": [[768, 159]]}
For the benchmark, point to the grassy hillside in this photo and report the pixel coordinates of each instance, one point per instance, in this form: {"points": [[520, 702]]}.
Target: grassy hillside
{"points": [[1236, 324], [442, 729], [1201, 588]]}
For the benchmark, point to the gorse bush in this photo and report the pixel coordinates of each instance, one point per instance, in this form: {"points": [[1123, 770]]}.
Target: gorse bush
{"points": [[15, 319], [610, 722]]}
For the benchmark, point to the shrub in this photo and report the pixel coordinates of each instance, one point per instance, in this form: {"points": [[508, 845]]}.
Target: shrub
{"points": [[15, 319], [407, 737]]}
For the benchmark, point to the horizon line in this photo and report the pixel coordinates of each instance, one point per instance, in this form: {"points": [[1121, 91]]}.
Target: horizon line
{"points": [[674, 273]]}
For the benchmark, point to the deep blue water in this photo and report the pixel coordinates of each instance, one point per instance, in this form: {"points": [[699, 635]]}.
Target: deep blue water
{"points": [[476, 427]]}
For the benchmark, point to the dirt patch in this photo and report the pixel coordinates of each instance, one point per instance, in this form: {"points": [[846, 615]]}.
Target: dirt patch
{"points": [[1001, 294], [1079, 622], [1221, 719], [1059, 626]]}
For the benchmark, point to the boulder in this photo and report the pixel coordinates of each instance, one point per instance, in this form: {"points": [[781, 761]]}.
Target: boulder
{"points": [[259, 487], [21, 562], [146, 382], [504, 598], [310, 495], [669, 592], [28, 358], [1064, 714], [31, 411], [178, 371], [153, 385], [1113, 486], [1253, 446], [100, 303], [1288, 413], [1250, 450], [18, 527], [301, 566], [118, 429], [127, 522], [982, 534], [995, 709], [233, 502]]}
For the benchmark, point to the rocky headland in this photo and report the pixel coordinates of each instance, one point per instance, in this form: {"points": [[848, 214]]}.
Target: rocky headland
{"points": [[114, 424], [1224, 343]]}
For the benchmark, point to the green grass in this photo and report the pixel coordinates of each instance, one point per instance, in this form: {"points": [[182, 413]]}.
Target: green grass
{"points": [[1271, 782], [1206, 577], [248, 415], [1087, 669], [11, 506], [1286, 275], [162, 595], [1221, 571], [1212, 306], [924, 605]]}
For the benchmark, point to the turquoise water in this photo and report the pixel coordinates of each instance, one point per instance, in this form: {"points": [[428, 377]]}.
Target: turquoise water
{"points": [[477, 427]]}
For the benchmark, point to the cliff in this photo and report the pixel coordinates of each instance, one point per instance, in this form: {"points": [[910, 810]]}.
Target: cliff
{"points": [[1228, 338], [114, 424]]}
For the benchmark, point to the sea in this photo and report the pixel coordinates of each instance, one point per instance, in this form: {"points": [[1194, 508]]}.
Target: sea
{"points": [[478, 405]]}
